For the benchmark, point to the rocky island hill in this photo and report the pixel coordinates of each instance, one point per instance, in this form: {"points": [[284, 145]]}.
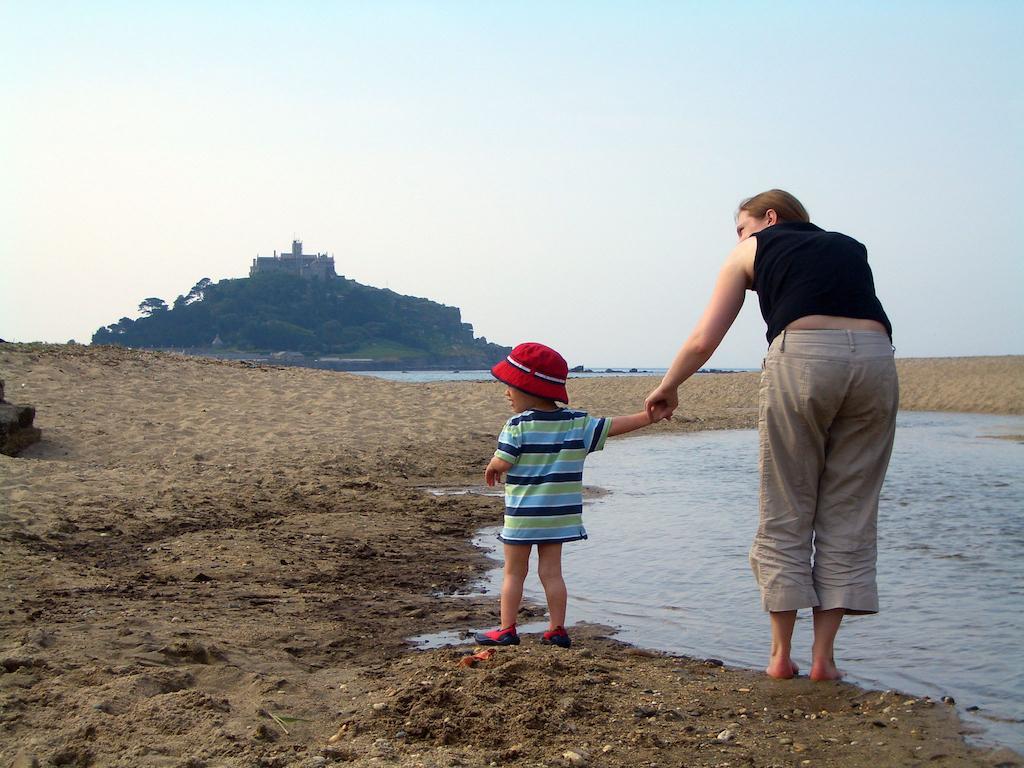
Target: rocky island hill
{"points": [[294, 308]]}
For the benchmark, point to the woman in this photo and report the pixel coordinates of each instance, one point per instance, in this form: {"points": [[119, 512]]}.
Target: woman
{"points": [[826, 416]]}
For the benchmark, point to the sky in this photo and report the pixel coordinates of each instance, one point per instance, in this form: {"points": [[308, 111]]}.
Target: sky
{"points": [[562, 172]]}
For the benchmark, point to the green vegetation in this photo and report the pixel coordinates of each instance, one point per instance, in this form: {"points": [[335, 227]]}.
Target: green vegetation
{"points": [[280, 312]]}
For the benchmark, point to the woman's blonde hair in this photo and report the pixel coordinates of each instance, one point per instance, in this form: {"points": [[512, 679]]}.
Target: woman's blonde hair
{"points": [[787, 207]]}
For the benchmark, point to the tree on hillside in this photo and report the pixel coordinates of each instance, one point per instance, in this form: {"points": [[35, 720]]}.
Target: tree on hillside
{"points": [[198, 291], [152, 305]]}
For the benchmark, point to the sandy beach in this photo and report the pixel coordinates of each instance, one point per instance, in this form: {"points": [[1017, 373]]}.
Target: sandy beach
{"points": [[210, 563]]}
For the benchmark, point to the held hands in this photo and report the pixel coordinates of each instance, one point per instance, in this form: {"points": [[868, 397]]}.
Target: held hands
{"points": [[661, 403], [496, 470]]}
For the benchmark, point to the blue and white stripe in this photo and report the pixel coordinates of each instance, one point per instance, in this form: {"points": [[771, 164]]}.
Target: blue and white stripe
{"points": [[544, 488]]}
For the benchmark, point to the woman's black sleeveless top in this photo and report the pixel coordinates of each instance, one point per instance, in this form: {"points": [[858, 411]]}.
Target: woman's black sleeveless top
{"points": [[800, 269]]}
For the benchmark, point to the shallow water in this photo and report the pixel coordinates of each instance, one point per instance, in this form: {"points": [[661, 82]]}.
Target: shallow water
{"points": [[667, 561]]}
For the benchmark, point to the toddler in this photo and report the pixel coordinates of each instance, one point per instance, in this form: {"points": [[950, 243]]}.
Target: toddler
{"points": [[540, 452]]}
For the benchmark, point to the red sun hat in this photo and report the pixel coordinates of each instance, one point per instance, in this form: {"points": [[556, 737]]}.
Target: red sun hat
{"points": [[536, 370]]}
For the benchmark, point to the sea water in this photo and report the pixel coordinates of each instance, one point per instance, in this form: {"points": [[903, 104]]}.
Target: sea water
{"points": [[666, 561]]}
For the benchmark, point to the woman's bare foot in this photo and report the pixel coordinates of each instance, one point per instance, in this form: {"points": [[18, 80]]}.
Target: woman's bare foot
{"points": [[782, 668], [825, 669]]}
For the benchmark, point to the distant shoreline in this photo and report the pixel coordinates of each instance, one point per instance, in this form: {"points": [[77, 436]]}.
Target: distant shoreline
{"points": [[331, 362], [370, 365]]}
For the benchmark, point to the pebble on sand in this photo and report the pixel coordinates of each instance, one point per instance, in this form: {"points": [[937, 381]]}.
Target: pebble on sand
{"points": [[572, 757]]}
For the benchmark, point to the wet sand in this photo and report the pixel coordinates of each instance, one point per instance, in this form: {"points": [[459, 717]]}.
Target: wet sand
{"points": [[212, 564]]}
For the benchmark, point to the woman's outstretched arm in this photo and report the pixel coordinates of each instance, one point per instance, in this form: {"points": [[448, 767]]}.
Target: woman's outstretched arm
{"points": [[725, 304]]}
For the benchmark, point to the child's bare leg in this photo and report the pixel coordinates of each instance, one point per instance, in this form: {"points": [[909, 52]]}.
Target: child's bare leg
{"points": [[780, 665], [517, 565], [549, 568], [826, 627]]}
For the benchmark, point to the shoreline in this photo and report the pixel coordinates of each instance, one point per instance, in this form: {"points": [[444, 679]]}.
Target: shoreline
{"points": [[986, 724], [211, 564]]}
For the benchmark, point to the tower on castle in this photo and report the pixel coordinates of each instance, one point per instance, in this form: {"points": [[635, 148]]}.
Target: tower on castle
{"points": [[318, 266]]}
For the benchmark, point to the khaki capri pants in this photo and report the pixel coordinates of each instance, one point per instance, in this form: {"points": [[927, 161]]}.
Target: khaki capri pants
{"points": [[826, 418]]}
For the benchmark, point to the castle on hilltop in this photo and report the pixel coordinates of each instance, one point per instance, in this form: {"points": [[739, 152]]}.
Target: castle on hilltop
{"points": [[319, 265]]}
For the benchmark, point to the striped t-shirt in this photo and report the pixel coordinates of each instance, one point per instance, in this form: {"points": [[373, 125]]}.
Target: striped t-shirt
{"points": [[544, 488]]}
